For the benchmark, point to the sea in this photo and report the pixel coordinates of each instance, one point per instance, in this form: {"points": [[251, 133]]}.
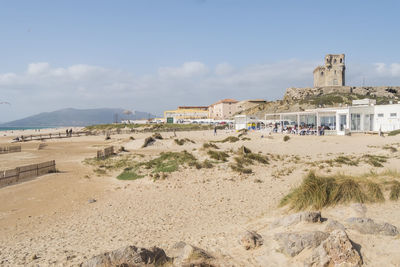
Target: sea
{"points": [[24, 128]]}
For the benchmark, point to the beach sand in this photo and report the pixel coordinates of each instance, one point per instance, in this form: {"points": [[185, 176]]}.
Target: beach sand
{"points": [[49, 221]]}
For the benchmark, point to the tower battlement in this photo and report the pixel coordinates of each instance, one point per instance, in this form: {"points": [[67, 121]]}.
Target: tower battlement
{"points": [[332, 73]]}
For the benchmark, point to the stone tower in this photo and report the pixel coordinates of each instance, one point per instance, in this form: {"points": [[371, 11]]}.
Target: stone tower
{"points": [[332, 73]]}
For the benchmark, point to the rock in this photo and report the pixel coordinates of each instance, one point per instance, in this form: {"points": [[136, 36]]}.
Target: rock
{"points": [[305, 216], [368, 226], [129, 256], [359, 208], [336, 250], [250, 240], [35, 257], [334, 225], [187, 255], [157, 136], [292, 244], [148, 141], [92, 200]]}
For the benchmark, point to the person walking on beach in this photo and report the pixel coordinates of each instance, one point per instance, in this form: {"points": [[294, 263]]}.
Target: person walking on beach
{"points": [[215, 130], [66, 132]]}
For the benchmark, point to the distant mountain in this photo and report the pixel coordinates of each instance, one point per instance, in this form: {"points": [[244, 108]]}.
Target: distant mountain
{"points": [[77, 117]]}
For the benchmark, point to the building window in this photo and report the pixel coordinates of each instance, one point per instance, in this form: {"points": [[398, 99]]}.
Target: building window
{"points": [[393, 114], [341, 60], [355, 122], [380, 115]]}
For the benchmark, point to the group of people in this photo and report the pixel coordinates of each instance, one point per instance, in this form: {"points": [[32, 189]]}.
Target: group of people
{"points": [[68, 132], [300, 130]]}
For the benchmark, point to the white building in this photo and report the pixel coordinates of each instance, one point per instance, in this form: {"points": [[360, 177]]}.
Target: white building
{"points": [[362, 116], [246, 122]]}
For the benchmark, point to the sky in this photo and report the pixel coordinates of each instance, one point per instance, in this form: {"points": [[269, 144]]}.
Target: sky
{"points": [[156, 55]]}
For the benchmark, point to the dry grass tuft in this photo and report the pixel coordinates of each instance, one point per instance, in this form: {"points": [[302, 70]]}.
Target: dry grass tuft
{"points": [[395, 191], [322, 191], [210, 145]]}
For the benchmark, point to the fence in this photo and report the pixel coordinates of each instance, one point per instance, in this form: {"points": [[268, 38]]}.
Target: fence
{"points": [[20, 174], [10, 149], [108, 151]]}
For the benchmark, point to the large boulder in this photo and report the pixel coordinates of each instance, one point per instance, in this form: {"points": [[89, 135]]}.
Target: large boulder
{"points": [[129, 256], [250, 240], [292, 244], [336, 250], [305, 216], [187, 255], [334, 225], [368, 226]]}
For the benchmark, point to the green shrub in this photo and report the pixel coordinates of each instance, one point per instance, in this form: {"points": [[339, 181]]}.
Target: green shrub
{"points": [[286, 138]]}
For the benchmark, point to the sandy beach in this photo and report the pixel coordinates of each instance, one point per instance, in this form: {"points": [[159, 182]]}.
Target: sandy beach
{"points": [[49, 221]]}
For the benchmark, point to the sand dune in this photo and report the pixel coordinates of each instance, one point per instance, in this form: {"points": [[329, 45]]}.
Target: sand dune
{"points": [[50, 217]]}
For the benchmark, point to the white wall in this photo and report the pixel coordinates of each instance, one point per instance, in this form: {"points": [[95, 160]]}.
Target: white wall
{"points": [[387, 123]]}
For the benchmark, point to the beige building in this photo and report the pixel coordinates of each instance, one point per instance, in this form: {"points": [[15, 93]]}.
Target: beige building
{"points": [[185, 113], [223, 109], [332, 73]]}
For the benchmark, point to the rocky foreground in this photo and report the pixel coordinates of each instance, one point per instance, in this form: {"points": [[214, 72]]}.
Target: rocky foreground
{"points": [[330, 247]]}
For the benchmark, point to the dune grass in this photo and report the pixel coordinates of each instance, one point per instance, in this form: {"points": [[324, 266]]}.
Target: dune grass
{"points": [[218, 155], [210, 145], [393, 133], [129, 174], [318, 191], [230, 139], [395, 191], [374, 160], [170, 161], [181, 142]]}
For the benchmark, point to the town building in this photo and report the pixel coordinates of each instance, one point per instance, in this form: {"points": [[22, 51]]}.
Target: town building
{"points": [[186, 113], [332, 73], [223, 109]]}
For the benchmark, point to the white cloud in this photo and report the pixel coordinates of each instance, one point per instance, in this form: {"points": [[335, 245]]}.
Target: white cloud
{"points": [[43, 87], [38, 68], [187, 70], [223, 69], [385, 70]]}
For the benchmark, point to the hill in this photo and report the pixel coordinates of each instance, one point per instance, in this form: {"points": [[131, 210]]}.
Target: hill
{"points": [[76, 117], [299, 99]]}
